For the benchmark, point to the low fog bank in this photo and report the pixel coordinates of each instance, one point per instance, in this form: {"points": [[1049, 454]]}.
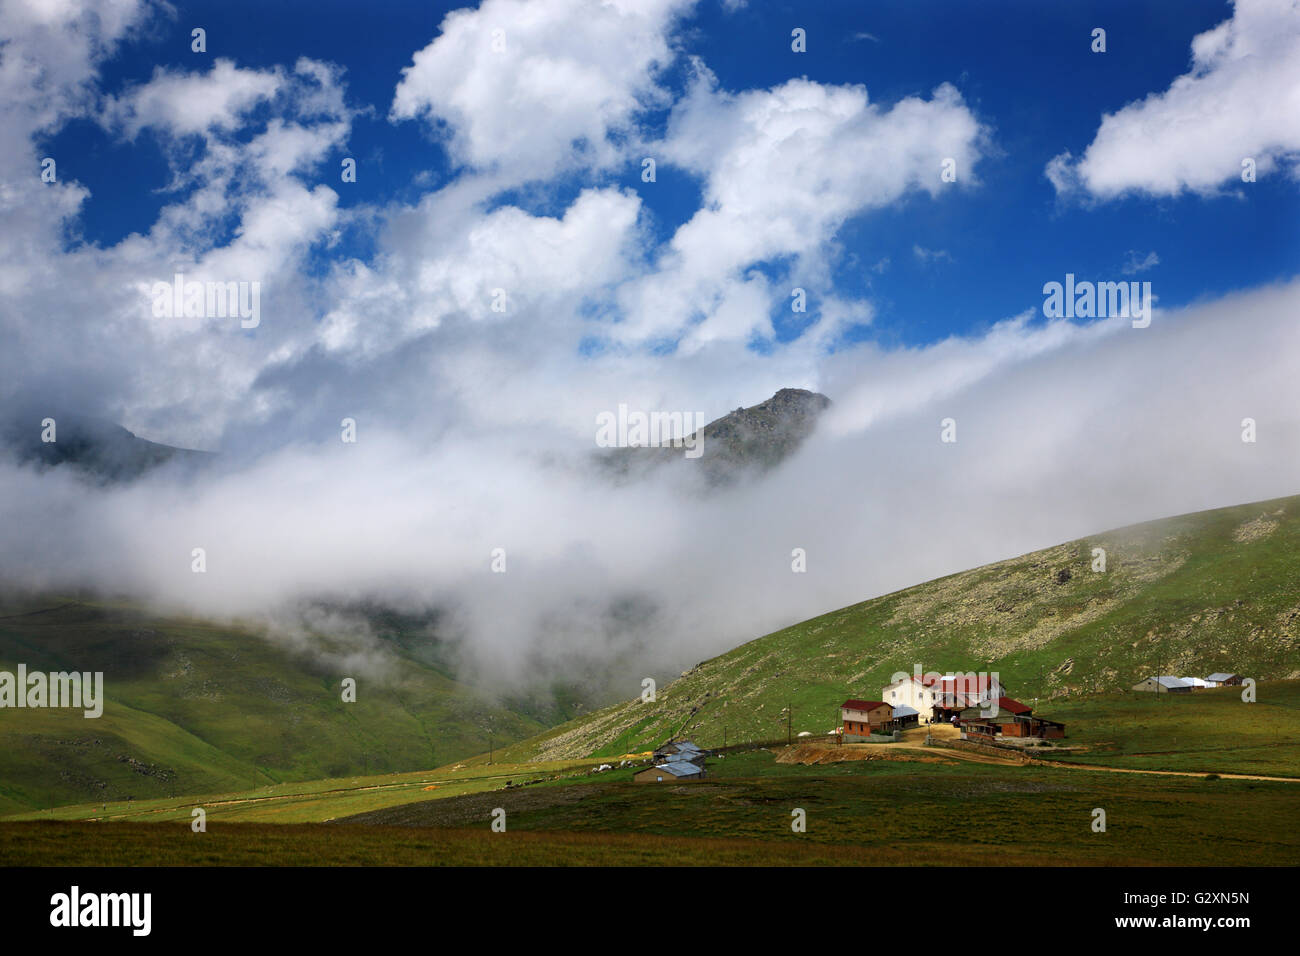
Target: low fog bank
{"points": [[1062, 431]]}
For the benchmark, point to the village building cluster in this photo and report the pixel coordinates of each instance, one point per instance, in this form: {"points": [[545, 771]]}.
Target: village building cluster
{"points": [[677, 760], [977, 705], [1165, 684], [965, 701]]}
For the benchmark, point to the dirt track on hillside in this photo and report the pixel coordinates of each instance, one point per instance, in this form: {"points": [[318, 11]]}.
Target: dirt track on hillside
{"points": [[1167, 773], [809, 754]]}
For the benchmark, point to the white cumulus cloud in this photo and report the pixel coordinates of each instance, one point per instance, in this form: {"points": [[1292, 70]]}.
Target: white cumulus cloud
{"points": [[534, 86], [1239, 100]]}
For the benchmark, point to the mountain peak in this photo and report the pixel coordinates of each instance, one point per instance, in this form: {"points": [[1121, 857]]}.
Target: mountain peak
{"points": [[99, 449], [744, 441]]}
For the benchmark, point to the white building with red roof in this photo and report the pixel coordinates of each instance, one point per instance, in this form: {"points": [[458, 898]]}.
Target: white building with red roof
{"points": [[951, 692], [914, 692]]}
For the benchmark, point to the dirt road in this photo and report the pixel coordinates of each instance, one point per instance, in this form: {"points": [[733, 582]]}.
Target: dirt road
{"points": [[1166, 773], [821, 753]]}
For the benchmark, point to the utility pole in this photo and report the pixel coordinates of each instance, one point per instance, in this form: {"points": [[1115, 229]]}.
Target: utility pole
{"points": [[489, 750], [789, 726]]}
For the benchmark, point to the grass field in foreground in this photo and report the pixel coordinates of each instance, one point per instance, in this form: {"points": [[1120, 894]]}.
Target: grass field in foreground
{"points": [[251, 844], [869, 812], [1002, 811], [315, 801]]}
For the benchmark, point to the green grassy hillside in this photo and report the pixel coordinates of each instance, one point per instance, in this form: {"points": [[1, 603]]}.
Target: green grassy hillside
{"points": [[198, 708], [1213, 591], [1210, 731]]}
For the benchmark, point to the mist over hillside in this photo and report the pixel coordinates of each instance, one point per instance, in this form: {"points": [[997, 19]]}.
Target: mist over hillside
{"points": [[1056, 436], [1213, 591], [454, 269], [99, 451]]}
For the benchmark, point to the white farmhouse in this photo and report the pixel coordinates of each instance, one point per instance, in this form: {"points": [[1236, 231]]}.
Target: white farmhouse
{"points": [[951, 692], [911, 691]]}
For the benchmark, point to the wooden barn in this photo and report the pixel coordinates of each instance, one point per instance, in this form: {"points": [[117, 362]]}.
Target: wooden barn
{"points": [[904, 717], [1221, 679], [1030, 726], [1164, 685], [677, 771], [1012, 719]]}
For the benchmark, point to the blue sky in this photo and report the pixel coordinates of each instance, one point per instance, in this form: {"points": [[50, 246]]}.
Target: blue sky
{"points": [[1024, 69], [500, 276], [518, 170]]}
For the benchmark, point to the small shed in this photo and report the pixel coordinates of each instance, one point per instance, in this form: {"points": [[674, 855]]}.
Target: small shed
{"points": [[673, 771], [1164, 685], [1220, 679], [1024, 725], [904, 717], [1048, 729], [679, 750], [1013, 719]]}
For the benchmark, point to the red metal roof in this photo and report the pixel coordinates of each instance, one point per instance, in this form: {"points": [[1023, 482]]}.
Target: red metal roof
{"points": [[929, 680], [864, 704], [1006, 703], [980, 681]]}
